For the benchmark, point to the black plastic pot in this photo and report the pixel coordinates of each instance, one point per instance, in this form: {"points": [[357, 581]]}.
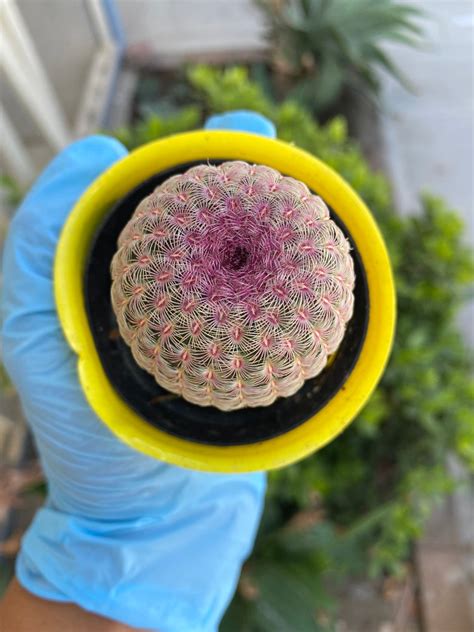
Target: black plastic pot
{"points": [[171, 413]]}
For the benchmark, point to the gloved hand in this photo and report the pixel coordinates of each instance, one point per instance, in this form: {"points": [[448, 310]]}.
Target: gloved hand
{"points": [[121, 534]]}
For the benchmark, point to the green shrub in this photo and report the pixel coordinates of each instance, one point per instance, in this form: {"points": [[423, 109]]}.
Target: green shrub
{"points": [[155, 126], [10, 191], [357, 505], [322, 47]]}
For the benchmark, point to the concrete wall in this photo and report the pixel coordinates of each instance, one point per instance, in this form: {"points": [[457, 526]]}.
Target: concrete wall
{"points": [[429, 134], [166, 30]]}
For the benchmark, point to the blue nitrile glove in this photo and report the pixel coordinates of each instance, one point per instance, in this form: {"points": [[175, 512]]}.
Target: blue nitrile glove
{"points": [[121, 534], [242, 120]]}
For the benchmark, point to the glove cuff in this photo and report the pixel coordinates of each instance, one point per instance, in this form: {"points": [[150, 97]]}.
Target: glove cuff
{"points": [[168, 577]]}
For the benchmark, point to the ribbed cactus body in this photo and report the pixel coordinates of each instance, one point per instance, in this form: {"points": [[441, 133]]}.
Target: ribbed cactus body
{"points": [[232, 285]]}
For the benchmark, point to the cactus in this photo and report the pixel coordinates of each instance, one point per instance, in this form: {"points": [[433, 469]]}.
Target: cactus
{"points": [[232, 285]]}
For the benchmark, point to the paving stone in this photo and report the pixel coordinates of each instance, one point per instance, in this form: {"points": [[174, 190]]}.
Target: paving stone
{"points": [[12, 440], [444, 593]]}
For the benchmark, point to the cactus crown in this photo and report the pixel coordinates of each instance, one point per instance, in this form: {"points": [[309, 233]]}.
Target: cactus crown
{"points": [[232, 285]]}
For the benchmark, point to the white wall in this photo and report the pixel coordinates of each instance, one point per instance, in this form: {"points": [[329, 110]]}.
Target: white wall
{"points": [[164, 29]]}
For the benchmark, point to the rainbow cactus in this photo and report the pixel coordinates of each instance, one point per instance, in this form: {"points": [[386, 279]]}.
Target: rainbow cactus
{"points": [[232, 285]]}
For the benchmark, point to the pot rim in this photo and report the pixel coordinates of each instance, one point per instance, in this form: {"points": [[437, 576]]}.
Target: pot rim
{"points": [[70, 261]]}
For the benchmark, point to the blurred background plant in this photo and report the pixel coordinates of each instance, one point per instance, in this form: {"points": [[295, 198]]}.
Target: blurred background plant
{"points": [[356, 506], [324, 49]]}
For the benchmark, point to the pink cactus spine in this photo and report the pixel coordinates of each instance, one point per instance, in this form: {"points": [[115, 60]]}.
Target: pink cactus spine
{"points": [[232, 285]]}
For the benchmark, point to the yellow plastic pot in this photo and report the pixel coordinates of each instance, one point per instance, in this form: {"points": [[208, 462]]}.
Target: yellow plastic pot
{"points": [[75, 244]]}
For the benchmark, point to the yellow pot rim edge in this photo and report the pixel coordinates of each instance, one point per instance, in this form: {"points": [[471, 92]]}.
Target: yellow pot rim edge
{"points": [[163, 154]]}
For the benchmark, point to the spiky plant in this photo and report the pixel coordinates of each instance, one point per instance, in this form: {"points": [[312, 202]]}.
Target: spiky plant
{"points": [[232, 285], [324, 46]]}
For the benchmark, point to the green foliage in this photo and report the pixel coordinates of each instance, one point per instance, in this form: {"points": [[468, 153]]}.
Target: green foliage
{"points": [[6, 386], [156, 126], [161, 93], [357, 505], [324, 46], [228, 90], [10, 190]]}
